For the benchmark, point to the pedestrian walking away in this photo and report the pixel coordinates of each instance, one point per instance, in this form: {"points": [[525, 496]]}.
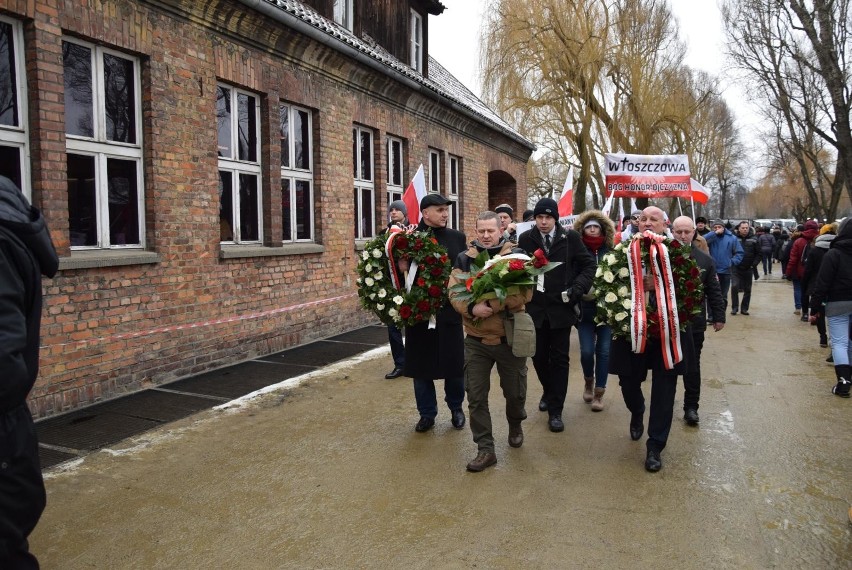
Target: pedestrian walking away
{"points": [[433, 353], [553, 307], [486, 345], [832, 297], [598, 233], [26, 253], [795, 270]]}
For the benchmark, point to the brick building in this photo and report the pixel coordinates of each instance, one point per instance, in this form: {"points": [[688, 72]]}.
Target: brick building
{"points": [[210, 169]]}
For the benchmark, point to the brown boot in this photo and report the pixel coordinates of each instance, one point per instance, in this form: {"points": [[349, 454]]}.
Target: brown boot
{"points": [[587, 390], [597, 400], [482, 460]]}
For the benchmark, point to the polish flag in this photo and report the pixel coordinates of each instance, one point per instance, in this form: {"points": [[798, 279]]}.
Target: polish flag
{"points": [[566, 202], [415, 192], [619, 225], [699, 193]]}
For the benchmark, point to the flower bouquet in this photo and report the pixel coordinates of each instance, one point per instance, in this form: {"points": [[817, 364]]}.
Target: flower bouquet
{"points": [[622, 302], [500, 276], [395, 297]]}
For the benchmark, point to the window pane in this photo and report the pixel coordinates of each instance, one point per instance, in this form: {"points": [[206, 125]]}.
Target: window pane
{"points": [[358, 217], [226, 207], [119, 99], [77, 65], [355, 155], [366, 155], [10, 164], [123, 199], [284, 132], [286, 209], [8, 80], [82, 220], [247, 127], [367, 212], [223, 121], [304, 207], [434, 174], [249, 224], [396, 152], [301, 125], [454, 176]]}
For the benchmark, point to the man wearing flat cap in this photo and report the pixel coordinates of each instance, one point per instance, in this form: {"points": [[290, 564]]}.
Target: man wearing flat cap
{"points": [[507, 222], [553, 303], [438, 352]]}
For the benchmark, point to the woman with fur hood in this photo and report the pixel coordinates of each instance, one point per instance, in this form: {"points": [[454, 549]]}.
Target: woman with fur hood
{"points": [[597, 232]]}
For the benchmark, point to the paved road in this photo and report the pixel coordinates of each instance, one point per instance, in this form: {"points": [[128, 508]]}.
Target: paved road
{"points": [[330, 474]]}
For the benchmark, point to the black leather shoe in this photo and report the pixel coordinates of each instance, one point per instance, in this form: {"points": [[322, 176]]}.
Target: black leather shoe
{"points": [[425, 424], [744, 313], [653, 463], [555, 423], [458, 418], [637, 428], [542, 405], [395, 373], [733, 311], [516, 436], [691, 416]]}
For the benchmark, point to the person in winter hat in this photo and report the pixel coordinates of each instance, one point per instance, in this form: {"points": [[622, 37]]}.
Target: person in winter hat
{"points": [[832, 296]]}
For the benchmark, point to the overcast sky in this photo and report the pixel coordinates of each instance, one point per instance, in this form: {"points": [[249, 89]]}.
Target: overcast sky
{"points": [[454, 38]]}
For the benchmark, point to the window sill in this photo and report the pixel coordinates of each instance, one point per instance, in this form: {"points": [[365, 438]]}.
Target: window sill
{"points": [[107, 258], [238, 251]]}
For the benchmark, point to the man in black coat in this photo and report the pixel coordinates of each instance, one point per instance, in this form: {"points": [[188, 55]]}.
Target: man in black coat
{"points": [[437, 352], [632, 369], [684, 232], [554, 301], [25, 253], [743, 273]]}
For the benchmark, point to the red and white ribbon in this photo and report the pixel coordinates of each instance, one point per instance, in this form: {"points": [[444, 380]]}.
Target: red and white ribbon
{"points": [[660, 269]]}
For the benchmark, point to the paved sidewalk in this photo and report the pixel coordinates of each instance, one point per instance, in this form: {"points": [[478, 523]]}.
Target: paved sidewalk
{"points": [[329, 473]]}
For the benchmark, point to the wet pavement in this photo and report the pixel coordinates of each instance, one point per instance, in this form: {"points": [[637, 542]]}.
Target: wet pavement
{"points": [[327, 472]]}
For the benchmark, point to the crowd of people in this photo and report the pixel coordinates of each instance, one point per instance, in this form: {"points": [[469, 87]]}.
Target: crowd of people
{"points": [[470, 338]]}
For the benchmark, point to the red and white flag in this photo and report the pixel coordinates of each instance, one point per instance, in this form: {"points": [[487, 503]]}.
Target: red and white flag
{"points": [[566, 201], [700, 194], [619, 224], [415, 192]]}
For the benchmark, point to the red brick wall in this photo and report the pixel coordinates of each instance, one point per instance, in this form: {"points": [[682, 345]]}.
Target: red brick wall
{"points": [[115, 329]]}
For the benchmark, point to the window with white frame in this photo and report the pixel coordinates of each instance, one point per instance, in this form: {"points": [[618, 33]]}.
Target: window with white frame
{"points": [[13, 108], [453, 191], [434, 171], [343, 13], [416, 46], [103, 147], [365, 198], [394, 162], [237, 123], [297, 173]]}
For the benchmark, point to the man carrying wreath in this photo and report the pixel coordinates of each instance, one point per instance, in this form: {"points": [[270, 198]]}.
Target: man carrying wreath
{"points": [[631, 365], [437, 351], [486, 345]]}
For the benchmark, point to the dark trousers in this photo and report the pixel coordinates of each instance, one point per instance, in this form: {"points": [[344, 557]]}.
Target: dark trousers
{"points": [[767, 261], [22, 495], [427, 400], [725, 286], [692, 379], [551, 364], [397, 346], [663, 388], [742, 280], [479, 359]]}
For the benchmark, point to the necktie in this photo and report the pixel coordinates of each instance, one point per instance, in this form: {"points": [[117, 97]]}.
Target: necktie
{"points": [[547, 243]]}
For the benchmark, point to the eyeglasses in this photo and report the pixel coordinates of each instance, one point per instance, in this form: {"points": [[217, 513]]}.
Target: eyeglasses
{"points": [[634, 217]]}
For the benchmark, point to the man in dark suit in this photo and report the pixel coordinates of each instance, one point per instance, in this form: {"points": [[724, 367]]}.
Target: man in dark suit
{"points": [[432, 353], [554, 301], [684, 232]]}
